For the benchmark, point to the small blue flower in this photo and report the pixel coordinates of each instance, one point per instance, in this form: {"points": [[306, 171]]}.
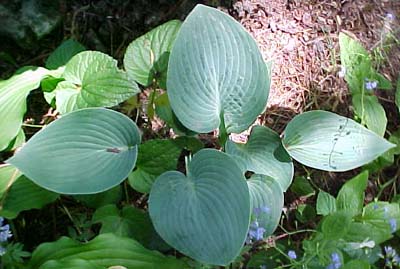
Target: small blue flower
{"points": [[370, 84], [390, 16], [336, 263], [263, 209], [376, 207], [5, 232], [255, 232], [389, 250], [292, 254], [393, 225], [391, 256]]}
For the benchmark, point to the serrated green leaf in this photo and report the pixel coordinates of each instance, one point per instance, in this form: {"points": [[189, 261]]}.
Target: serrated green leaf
{"points": [[208, 209], [13, 93], [326, 203], [371, 112], [351, 195], [326, 141], [24, 195], [266, 194], [128, 222], [105, 251], [146, 58], [216, 74], [264, 154], [63, 53], [93, 80], [86, 151]]}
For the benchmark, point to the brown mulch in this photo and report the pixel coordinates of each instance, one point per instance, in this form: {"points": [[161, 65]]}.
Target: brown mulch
{"points": [[301, 38]]}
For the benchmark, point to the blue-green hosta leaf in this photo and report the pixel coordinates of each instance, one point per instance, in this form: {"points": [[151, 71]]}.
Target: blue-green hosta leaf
{"points": [[326, 141], [146, 58], [63, 53], [351, 195], [105, 251], [86, 151], [371, 112], [92, 79], [216, 73], [13, 93], [206, 213], [24, 195], [267, 199], [264, 154]]}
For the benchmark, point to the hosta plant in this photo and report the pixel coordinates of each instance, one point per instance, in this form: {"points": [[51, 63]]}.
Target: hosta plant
{"points": [[215, 79]]}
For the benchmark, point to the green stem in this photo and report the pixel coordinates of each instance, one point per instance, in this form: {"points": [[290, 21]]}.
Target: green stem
{"points": [[32, 125], [386, 184]]}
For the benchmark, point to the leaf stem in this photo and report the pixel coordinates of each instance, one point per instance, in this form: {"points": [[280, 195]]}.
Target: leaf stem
{"points": [[32, 125]]}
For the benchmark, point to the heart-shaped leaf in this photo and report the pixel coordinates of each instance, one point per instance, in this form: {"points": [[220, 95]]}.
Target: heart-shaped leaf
{"points": [[326, 141], [206, 213], [13, 93], [264, 154], [105, 251], [86, 151], [92, 79], [146, 58], [216, 74], [267, 201]]}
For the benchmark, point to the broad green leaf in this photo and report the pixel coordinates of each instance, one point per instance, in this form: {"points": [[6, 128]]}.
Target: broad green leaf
{"points": [[8, 175], [128, 222], [371, 112], [63, 53], [397, 97], [305, 213], [264, 154], [266, 194], [335, 225], [164, 111], [17, 142], [351, 195], [205, 214], [97, 200], [326, 203], [141, 181], [105, 251], [92, 79], [383, 216], [155, 157], [86, 151], [357, 62], [73, 264], [216, 76], [13, 93], [24, 195], [146, 58], [357, 264], [326, 141], [301, 186]]}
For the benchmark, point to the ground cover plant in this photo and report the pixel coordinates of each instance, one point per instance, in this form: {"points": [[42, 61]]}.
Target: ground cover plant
{"points": [[208, 206]]}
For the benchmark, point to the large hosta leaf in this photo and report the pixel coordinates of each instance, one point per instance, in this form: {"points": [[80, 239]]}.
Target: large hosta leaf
{"points": [[24, 195], [93, 80], [266, 194], [105, 251], [86, 151], [206, 213], [216, 75], [326, 141], [13, 93], [264, 154], [146, 58]]}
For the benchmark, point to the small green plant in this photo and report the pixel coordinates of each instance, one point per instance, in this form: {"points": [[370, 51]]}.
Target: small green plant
{"points": [[215, 79]]}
